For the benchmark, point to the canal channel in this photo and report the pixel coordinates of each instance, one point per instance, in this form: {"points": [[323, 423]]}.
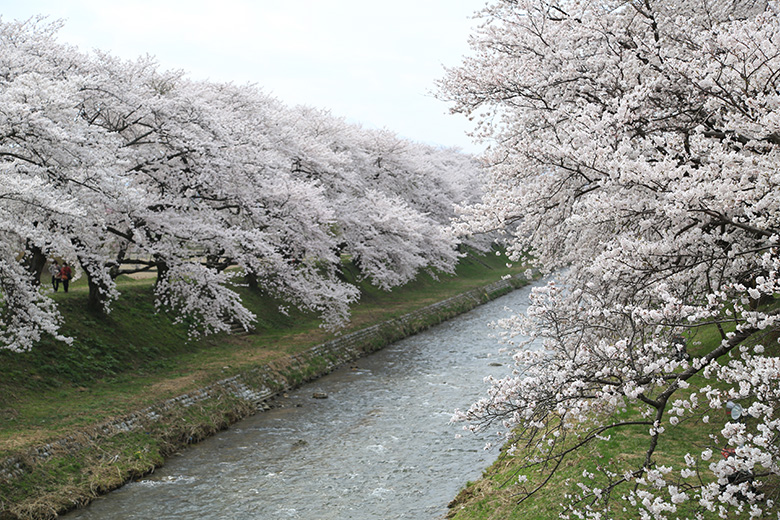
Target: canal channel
{"points": [[370, 441]]}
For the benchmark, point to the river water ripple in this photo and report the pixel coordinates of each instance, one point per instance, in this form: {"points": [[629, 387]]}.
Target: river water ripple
{"points": [[379, 447]]}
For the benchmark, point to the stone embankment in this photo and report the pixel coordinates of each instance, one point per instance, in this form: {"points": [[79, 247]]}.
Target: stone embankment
{"points": [[174, 423]]}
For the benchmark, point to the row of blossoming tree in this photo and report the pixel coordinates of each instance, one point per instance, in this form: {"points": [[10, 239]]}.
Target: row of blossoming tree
{"points": [[638, 153], [117, 166]]}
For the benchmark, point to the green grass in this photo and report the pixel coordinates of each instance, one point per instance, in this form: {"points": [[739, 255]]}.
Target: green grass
{"points": [[134, 357]]}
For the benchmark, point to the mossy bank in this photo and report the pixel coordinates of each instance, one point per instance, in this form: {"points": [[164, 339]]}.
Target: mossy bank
{"points": [[112, 427]]}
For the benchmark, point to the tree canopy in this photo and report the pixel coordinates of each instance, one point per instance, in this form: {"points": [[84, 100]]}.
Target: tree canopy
{"points": [[635, 153], [117, 166]]}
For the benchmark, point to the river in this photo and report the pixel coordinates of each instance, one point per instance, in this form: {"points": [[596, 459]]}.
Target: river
{"points": [[380, 446]]}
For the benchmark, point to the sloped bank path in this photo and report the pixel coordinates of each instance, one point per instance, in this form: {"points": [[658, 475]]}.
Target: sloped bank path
{"points": [[164, 428]]}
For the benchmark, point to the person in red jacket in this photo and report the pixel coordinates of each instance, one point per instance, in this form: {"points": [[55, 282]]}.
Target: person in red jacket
{"points": [[65, 275]]}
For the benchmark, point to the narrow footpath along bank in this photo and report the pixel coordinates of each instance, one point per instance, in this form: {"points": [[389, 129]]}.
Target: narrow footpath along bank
{"points": [[119, 450]]}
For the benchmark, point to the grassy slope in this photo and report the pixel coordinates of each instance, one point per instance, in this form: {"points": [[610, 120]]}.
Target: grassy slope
{"points": [[134, 357], [495, 496]]}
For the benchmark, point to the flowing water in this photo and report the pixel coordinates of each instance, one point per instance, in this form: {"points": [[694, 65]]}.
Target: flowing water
{"points": [[380, 446]]}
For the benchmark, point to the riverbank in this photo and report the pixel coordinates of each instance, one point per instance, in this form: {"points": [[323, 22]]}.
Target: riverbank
{"points": [[40, 480], [498, 494]]}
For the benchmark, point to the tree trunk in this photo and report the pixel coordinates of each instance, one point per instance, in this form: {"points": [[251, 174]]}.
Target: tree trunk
{"points": [[162, 270], [96, 298], [251, 281], [34, 261]]}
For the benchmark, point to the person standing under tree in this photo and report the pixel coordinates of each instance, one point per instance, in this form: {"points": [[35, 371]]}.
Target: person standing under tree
{"points": [[54, 269], [65, 275]]}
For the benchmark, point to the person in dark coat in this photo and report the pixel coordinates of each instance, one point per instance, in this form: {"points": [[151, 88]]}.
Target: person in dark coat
{"points": [[54, 269]]}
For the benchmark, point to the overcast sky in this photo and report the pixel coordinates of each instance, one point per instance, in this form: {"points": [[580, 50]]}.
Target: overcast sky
{"points": [[370, 62]]}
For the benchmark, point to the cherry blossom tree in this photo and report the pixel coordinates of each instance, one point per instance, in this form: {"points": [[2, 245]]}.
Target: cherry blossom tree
{"points": [[215, 195], [118, 166], [376, 205], [635, 149], [53, 171]]}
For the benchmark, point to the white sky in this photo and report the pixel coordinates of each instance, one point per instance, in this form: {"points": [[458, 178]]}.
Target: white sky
{"points": [[372, 62]]}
